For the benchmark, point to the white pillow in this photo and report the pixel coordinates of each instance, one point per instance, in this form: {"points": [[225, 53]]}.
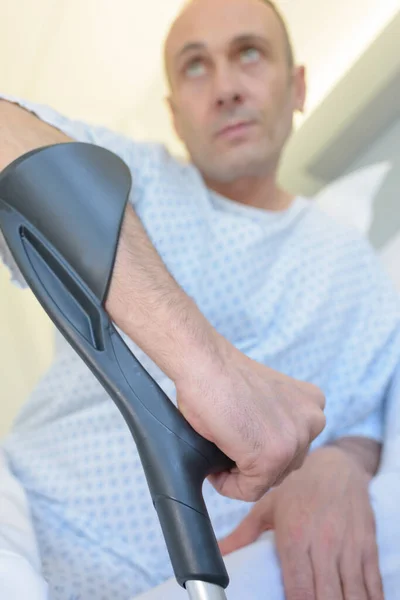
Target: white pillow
{"points": [[350, 199]]}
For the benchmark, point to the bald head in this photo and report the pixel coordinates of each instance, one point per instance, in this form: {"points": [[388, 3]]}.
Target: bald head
{"points": [[189, 12], [229, 64]]}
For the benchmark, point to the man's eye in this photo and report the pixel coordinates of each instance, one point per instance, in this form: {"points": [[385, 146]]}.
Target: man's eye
{"points": [[195, 68], [250, 54]]}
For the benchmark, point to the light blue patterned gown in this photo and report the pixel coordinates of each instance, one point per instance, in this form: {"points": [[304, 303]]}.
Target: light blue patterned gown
{"points": [[293, 290]]}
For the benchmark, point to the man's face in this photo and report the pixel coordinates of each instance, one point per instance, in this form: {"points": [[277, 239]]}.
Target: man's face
{"points": [[228, 64]]}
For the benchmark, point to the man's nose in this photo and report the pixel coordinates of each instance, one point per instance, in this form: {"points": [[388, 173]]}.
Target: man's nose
{"points": [[227, 91], [229, 99]]}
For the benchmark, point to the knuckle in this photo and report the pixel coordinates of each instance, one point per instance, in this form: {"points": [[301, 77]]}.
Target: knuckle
{"points": [[303, 440], [320, 423], [311, 422], [316, 422], [321, 399], [299, 444], [317, 395], [285, 451], [300, 459]]}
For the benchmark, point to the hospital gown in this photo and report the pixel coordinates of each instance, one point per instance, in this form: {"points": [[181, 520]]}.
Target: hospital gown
{"points": [[291, 289]]}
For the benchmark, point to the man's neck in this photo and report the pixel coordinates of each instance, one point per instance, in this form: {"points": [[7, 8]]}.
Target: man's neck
{"points": [[252, 191]]}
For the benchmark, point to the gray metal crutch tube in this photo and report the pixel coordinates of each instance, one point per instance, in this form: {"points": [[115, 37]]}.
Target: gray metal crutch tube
{"points": [[198, 590], [61, 209]]}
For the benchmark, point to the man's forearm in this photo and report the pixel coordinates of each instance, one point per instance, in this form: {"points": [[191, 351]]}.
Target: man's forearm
{"points": [[148, 305], [21, 131], [366, 451], [144, 300]]}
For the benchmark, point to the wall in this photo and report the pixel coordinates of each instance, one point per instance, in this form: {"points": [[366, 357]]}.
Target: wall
{"points": [[387, 205], [26, 346]]}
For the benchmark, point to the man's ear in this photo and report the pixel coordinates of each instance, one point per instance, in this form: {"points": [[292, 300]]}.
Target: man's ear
{"points": [[174, 116], [299, 88]]}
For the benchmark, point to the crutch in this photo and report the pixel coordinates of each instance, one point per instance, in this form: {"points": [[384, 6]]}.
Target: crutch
{"points": [[61, 209]]}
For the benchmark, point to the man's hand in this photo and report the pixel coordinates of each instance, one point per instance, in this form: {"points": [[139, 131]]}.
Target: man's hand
{"points": [[324, 530], [262, 419]]}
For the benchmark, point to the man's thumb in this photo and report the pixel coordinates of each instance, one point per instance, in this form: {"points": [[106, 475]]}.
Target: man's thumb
{"points": [[259, 519]]}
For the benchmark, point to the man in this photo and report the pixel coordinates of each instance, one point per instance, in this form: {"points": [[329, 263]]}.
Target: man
{"points": [[287, 303]]}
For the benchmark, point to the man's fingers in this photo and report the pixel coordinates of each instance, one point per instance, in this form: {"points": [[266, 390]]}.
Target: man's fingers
{"points": [[246, 533], [317, 422], [238, 486], [352, 577], [372, 574], [316, 394], [298, 577], [327, 579], [259, 519], [229, 484]]}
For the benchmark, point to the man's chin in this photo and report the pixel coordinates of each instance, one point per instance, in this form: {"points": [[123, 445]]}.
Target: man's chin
{"points": [[231, 164], [232, 171], [245, 161]]}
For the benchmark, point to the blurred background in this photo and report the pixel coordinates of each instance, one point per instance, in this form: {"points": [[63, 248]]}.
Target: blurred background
{"points": [[100, 61]]}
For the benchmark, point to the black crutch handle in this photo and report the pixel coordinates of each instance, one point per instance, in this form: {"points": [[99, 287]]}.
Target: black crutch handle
{"points": [[61, 210]]}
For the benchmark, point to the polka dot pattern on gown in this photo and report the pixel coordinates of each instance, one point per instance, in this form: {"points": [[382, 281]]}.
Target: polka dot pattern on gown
{"points": [[292, 290]]}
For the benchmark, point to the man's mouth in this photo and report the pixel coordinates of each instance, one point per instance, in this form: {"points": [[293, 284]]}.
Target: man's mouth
{"points": [[235, 130]]}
